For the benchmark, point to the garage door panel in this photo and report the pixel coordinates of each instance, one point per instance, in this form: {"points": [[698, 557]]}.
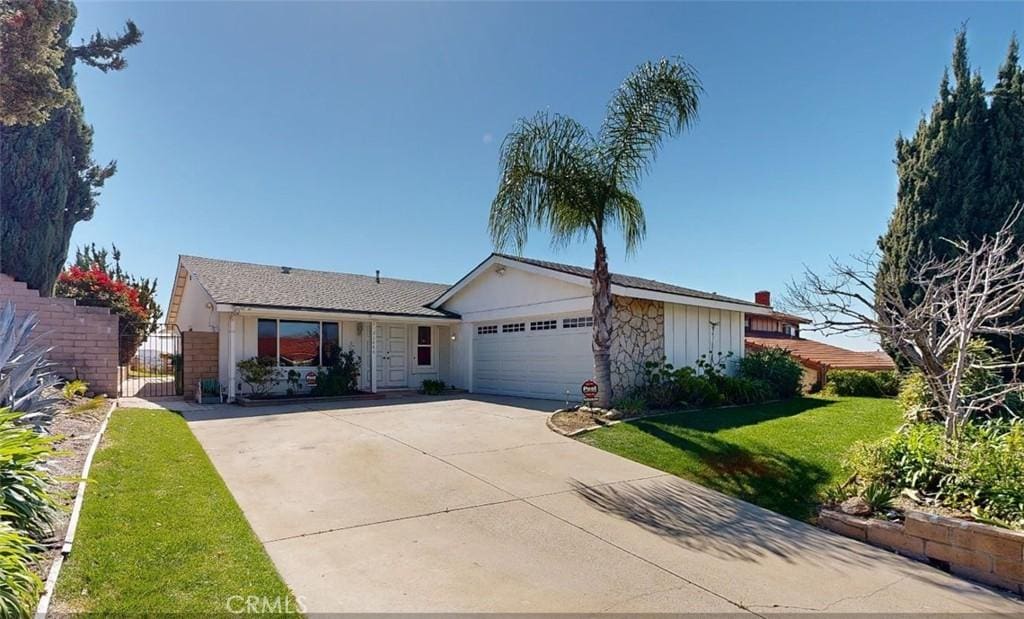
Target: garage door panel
{"points": [[544, 364]]}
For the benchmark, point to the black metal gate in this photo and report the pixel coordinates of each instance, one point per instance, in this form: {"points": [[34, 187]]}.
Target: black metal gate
{"points": [[150, 366]]}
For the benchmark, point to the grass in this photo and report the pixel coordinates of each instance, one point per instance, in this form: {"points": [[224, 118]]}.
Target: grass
{"points": [[159, 531], [780, 455]]}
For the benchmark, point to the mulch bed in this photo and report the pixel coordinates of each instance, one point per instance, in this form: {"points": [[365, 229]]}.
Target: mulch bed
{"points": [[574, 420], [75, 430]]}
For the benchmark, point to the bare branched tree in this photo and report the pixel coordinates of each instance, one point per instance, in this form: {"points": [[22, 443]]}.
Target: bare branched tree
{"points": [[978, 292]]}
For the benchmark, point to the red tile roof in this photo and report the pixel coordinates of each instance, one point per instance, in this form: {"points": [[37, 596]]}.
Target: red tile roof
{"points": [[818, 353]]}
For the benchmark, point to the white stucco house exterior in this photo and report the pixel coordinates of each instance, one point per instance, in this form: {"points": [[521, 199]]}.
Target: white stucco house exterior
{"points": [[511, 326]]}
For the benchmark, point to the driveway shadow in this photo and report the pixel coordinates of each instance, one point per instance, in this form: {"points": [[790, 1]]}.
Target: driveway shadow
{"points": [[715, 419], [772, 479], [696, 518]]}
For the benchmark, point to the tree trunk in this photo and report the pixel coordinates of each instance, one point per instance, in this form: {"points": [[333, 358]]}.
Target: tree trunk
{"points": [[601, 285]]}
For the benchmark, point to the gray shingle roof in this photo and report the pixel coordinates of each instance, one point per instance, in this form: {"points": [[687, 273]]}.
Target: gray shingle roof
{"points": [[243, 283], [629, 281]]}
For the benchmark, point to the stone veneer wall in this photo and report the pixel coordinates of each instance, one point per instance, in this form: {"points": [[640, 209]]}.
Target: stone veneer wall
{"points": [[638, 336], [200, 354], [973, 550], [84, 339]]}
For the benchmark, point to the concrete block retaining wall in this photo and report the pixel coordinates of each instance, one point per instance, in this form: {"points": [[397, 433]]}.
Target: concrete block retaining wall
{"points": [[199, 358], [980, 552], [84, 339]]}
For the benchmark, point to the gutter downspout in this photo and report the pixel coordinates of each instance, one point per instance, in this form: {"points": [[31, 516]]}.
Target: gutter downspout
{"points": [[231, 357]]}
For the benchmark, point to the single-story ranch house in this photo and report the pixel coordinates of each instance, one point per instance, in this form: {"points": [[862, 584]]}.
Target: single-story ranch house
{"points": [[511, 326]]}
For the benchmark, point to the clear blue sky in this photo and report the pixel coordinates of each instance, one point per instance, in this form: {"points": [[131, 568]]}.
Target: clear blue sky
{"points": [[356, 137]]}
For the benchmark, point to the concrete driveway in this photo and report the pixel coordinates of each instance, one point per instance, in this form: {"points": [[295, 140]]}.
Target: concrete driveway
{"points": [[474, 505]]}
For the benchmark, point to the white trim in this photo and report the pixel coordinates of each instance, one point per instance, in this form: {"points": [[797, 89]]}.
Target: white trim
{"points": [[301, 314], [373, 356], [414, 361], [469, 359]]}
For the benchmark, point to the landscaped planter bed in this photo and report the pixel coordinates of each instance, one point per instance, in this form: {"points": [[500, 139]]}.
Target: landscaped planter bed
{"points": [[977, 551], [302, 399]]}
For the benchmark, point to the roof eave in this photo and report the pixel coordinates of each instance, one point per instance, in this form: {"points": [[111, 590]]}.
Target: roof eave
{"points": [[230, 307]]}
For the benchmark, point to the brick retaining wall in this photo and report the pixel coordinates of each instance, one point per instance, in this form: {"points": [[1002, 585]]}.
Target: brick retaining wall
{"points": [[84, 339], [973, 550], [200, 359]]}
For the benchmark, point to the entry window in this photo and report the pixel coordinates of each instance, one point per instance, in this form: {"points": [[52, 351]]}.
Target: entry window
{"points": [[543, 325], [266, 339], [578, 322], [487, 330], [514, 327], [330, 345], [424, 346]]}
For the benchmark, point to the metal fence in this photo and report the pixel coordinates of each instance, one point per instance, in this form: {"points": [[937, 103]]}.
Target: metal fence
{"points": [[150, 366]]}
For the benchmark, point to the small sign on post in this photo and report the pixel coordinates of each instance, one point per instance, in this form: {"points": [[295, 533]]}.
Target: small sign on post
{"points": [[589, 390]]}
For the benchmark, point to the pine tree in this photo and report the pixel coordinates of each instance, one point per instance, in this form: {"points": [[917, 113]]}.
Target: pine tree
{"points": [[49, 181], [960, 173]]}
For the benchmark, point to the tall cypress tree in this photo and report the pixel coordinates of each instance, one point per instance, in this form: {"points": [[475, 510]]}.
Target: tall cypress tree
{"points": [[1006, 135], [48, 180], [29, 60], [960, 173]]}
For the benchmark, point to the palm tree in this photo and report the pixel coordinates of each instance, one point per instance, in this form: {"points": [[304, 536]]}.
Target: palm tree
{"points": [[556, 174]]}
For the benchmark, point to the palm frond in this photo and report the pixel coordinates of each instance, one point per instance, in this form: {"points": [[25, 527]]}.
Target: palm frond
{"points": [[547, 173], [658, 100], [623, 209]]}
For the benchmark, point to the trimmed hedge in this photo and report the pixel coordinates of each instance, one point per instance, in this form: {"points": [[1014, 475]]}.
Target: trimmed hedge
{"points": [[775, 367], [862, 383], [763, 375]]}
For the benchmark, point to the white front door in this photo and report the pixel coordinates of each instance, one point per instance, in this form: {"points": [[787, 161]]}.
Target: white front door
{"points": [[392, 349]]}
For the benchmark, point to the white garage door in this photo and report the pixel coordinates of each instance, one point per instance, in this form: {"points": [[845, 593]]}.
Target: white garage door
{"points": [[541, 357]]}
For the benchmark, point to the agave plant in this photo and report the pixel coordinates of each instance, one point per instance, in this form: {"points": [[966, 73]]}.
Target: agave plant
{"points": [[19, 585], [23, 367]]}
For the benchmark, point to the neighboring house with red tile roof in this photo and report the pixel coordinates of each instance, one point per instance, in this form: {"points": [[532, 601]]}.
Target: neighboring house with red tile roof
{"points": [[782, 330]]}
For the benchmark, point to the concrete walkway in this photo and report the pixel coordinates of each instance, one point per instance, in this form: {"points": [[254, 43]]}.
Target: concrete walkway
{"points": [[474, 505]]}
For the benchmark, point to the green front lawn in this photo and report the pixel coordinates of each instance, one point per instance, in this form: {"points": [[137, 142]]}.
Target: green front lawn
{"points": [[780, 456], [159, 531]]}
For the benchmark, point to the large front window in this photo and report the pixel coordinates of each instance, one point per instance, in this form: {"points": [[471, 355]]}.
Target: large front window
{"points": [[297, 343]]}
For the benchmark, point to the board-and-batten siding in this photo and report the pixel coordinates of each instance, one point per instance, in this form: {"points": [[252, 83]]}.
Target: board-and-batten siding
{"points": [[689, 334]]}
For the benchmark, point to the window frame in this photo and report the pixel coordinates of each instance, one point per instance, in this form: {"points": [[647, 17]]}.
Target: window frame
{"points": [[547, 324], [487, 329], [277, 340], [577, 322], [431, 346]]}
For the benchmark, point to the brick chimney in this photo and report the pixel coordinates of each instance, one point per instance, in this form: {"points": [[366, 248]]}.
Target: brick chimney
{"points": [[763, 297]]}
